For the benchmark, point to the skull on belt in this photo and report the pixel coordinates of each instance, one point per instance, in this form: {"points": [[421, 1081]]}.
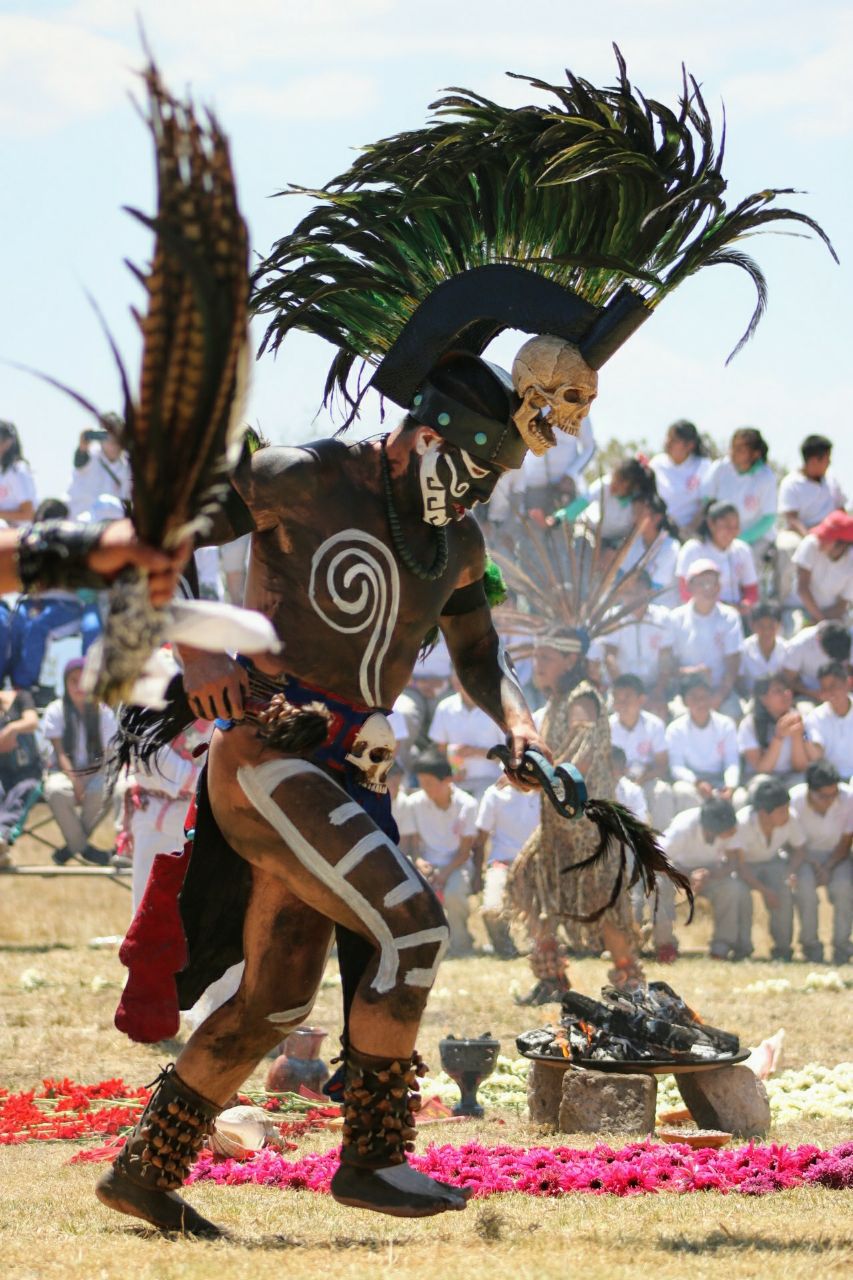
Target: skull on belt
{"points": [[556, 386], [372, 752]]}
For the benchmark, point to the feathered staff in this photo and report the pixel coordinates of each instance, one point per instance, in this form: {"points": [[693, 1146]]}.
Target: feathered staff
{"points": [[597, 189], [573, 588], [183, 432]]}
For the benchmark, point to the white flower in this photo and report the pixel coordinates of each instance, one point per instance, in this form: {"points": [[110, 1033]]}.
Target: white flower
{"points": [[31, 980]]}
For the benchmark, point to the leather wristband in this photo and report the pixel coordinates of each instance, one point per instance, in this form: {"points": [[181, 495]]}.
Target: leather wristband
{"points": [[54, 553]]}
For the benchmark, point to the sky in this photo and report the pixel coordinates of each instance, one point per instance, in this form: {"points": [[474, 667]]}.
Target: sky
{"points": [[299, 85]]}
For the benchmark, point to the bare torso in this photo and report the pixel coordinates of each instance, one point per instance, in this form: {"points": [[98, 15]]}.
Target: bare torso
{"points": [[323, 569]]}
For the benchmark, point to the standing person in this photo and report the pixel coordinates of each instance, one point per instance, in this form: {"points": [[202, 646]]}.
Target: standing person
{"points": [[17, 487], [702, 746], [438, 826], [764, 652], [641, 645], [746, 479], [823, 806], [101, 467], [806, 497], [680, 470], [717, 540], [704, 842], [20, 763], [830, 725], [824, 568], [771, 844], [555, 480], [466, 734], [506, 818], [656, 545], [707, 637], [78, 731]]}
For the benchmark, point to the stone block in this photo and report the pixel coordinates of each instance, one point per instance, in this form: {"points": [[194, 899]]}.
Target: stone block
{"points": [[598, 1102], [545, 1092], [731, 1098]]}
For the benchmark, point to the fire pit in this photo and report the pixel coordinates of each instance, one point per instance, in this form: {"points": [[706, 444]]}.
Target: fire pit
{"points": [[650, 1030]]}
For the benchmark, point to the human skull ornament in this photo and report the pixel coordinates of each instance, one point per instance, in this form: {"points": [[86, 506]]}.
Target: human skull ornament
{"points": [[372, 752], [556, 386]]}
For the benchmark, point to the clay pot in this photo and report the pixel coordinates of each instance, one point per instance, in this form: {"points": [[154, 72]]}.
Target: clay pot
{"points": [[300, 1063]]}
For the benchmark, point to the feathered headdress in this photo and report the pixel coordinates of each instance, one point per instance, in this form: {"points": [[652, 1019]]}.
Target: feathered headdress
{"points": [[574, 218], [183, 430]]}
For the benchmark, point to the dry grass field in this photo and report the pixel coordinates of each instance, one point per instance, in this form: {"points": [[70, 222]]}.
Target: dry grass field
{"points": [[51, 1225]]}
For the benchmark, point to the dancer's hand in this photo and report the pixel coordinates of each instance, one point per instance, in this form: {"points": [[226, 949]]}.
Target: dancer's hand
{"points": [[216, 685], [118, 548]]}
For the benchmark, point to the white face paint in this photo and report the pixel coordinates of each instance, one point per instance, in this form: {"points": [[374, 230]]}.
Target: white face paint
{"points": [[258, 785], [434, 491], [360, 575]]}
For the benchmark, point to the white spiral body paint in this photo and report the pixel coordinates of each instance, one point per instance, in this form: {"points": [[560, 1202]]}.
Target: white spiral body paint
{"points": [[364, 564], [258, 784]]}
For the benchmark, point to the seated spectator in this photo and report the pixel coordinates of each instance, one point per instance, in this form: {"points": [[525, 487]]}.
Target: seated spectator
{"points": [[823, 806], [806, 497], [20, 763], [466, 734], [642, 737], [656, 545], [746, 478], [679, 472], [641, 645], [771, 842], [17, 487], [702, 746], [438, 825], [101, 467], [830, 726], [704, 843], [825, 568], [78, 731], [707, 637], [505, 819], [811, 649], [771, 737], [554, 480], [717, 541], [764, 653], [628, 793], [610, 509]]}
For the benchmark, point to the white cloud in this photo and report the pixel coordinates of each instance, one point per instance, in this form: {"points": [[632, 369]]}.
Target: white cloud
{"points": [[326, 96]]}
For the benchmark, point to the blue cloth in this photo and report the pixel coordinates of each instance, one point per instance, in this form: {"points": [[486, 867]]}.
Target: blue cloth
{"points": [[32, 622]]}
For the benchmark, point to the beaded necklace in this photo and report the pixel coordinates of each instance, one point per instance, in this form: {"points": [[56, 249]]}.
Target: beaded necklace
{"points": [[439, 564]]}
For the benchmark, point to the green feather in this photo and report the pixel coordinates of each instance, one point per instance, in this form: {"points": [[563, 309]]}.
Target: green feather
{"points": [[493, 584], [592, 188]]}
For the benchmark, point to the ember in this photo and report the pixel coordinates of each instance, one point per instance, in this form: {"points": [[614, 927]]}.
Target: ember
{"points": [[649, 1025]]}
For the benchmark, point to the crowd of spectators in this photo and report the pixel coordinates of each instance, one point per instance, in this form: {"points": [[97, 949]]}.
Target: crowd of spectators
{"points": [[728, 682]]}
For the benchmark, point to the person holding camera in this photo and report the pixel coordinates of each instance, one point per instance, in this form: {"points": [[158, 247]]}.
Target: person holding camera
{"points": [[101, 467]]}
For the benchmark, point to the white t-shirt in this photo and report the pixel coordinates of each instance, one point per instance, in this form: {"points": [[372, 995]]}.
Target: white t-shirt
{"points": [[53, 726], [805, 656], [618, 519], [755, 846], [639, 645], [752, 492], [736, 566], [810, 500], [641, 744], [680, 485], [833, 733], [98, 476], [456, 725], [706, 639], [632, 796], [439, 830], [747, 740], [660, 566], [509, 816], [507, 496], [823, 831], [685, 844], [568, 457], [831, 580], [753, 664], [709, 750], [16, 486], [207, 563]]}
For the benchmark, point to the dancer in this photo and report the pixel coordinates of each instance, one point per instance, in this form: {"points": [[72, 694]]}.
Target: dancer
{"points": [[357, 553]]}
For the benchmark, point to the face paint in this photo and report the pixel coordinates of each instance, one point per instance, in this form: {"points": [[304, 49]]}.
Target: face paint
{"points": [[440, 483]]}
